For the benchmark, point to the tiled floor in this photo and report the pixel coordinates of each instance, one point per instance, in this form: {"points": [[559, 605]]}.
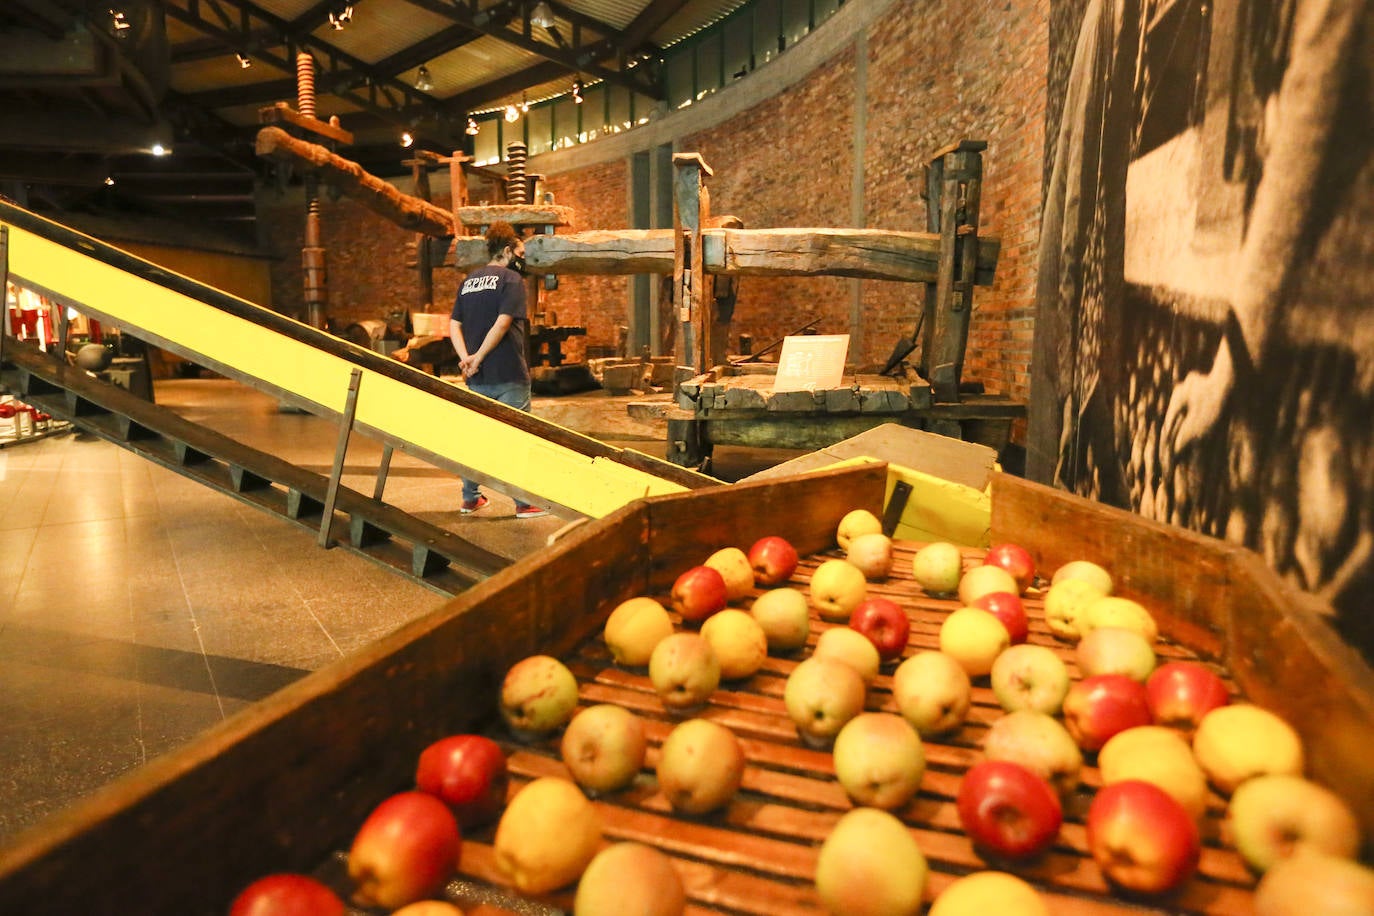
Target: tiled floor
{"points": [[138, 608]]}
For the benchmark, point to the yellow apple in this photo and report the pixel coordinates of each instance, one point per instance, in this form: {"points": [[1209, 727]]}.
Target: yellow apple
{"points": [[734, 567], [984, 580], [1158, 755], [1114, 611], [1085, 571], [684, 670], [872, 553], [785, 616], [933, 692], [938, 567], [1234, 743], [1038, 742], [634, 628], [538, 696], [837, 587], [1309, 883], [879, 760], [429, 908], [738, 641], [821, 695], [989, 893], [851, 647], [870, 865], [1272, 817], [547, 835], [855, 523], [974, 638], [700, 766], [1064, 604], [630, 878], [603, 747]]}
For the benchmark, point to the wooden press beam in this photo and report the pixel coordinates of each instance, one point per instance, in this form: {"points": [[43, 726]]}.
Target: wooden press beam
{"points": [[954, 181], [691, 210]]}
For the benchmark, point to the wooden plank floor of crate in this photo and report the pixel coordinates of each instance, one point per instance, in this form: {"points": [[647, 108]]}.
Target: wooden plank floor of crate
{"points": [[758, 855]]}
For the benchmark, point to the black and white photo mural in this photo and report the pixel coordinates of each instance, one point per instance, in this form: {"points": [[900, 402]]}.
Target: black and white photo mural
{"points": [[1204, 348]]}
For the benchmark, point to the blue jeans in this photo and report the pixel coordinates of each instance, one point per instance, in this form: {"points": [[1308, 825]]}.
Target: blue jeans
{"points": [[512, 394]]}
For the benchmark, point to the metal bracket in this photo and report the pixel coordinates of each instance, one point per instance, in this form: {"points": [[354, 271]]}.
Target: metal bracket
{"points": [[896, 505], [340, 450]]}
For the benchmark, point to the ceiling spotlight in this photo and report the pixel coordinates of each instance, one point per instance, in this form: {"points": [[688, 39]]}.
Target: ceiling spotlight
{"points": [[577, 91], [472, 128], [244, 61], [407, 141], [512, 114], [119, 23], [341, 14], [160, 150], [524, 104], [423, 82], [542, 15], [109, 181]]}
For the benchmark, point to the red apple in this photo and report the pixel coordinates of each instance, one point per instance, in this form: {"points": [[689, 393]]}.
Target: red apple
{"points": [[1007, 608], [885, 624], [698, 593], [1181, 693], [286, 895], [1141, 838], [1008, 810], [1016, 560], [1098, 707], [405, 851], [467, 772], [774, 559]]}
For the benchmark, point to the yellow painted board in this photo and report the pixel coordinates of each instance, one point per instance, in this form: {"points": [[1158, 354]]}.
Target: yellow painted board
{"points": [[937, 509], [563, 475]]}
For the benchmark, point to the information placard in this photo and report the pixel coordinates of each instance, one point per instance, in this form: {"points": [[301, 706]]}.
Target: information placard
{"points": [[812, 362]]}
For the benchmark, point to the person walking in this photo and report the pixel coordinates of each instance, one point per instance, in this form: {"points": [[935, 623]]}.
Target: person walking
{"points": [[489, 328]]}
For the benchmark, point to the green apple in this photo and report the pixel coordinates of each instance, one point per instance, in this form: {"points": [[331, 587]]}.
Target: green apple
{"points": [[938, 567], [1116, 650], [870, 865], [684, 670], [879, 760], [837, 587], [848, 645], [1030, 677], [1271, 817], [630, 878], [933, 692], [734, 567], [785, 615], [700, 766], [1157, 755], [547, 835], [538, 696], [1085, 571], [974, 638], [603, 747], [1038, 742], [634, 628], [1237, 742], [855, 523], [821, 695], [738, 641]]}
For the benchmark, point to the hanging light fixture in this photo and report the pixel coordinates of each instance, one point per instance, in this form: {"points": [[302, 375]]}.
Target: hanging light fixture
{"points": [[512, 114], [339, 15], [524, 104], [472, 128], [423, 82], [119, 23], [407, 141], [542, 15], [109, 181], [244, 61], [577, 91]]}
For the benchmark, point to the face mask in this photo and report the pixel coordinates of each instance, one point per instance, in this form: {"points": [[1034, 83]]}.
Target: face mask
{"points": [[517, 264]]}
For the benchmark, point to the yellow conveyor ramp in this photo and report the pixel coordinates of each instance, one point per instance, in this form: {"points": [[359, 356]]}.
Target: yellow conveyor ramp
{"points": [[441, 423]]}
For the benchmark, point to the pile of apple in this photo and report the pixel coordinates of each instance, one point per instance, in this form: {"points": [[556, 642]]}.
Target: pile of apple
{"points": [[1163, 737]]}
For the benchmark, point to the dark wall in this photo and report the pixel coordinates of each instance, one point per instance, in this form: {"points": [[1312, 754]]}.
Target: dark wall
{"points": [[1205, 343]]}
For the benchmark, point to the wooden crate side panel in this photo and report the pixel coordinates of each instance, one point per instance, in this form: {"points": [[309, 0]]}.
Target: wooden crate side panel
{"points": [[806, 510], [1287, 658], [1182, 577], [286, 782]]}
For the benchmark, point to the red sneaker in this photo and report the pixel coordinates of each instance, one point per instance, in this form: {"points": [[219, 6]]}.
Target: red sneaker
{"points": [[531, 512], [472, 505]]}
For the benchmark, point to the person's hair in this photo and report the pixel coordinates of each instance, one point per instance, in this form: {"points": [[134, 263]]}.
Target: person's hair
{"points": [[499, 235]]}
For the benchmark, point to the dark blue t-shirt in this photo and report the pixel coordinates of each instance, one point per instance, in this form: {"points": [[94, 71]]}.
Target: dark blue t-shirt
{"points": [[486, 293]]}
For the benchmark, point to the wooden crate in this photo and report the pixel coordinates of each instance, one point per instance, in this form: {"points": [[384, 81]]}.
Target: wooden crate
{"points": [[285, 784]]}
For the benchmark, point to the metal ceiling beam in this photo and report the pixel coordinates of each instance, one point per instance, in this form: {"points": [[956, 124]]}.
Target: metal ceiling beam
{"points": [[487, 93], [649, 21], [508, 22]]}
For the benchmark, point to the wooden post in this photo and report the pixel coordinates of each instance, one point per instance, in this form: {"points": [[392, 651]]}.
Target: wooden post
{"points": [[954, 181], [419, 171], [691, 209]]}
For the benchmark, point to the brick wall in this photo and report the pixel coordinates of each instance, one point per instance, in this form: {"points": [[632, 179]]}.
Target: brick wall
{"points": [[935, 73]]}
